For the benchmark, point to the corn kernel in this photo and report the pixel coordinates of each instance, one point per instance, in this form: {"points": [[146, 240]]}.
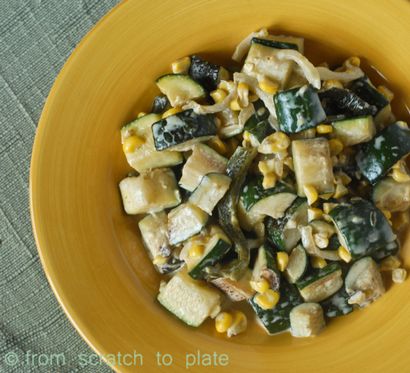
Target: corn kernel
{"points": [[403, 125], [268, 86], [282, 259], [218, 145], [390, 263], [141, 114], [399, 275], [280, 139], [311, 194], [196, 251], [317, 262], [386, 92], [355, 61], [223, 321], [343, 178], [289, 162], [181, 65], [218, 95], [264, 167], [172, 111], [314, 213], [327, 207], [386, 213], [336, 146], [269, 180], [332, 83], [234, 105], [132, 143], [344, 254], [239, 324], [243, 87], [261, 286], [400, 176], [267, 300], [159, 260], [324, 128], [340, 191]]}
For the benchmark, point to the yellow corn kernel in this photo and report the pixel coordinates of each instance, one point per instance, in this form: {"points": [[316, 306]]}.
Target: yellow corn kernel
{"points": [[386, 213], [246, 136], [131, 143], [324, 128], [355, 61], [181, 65], [332, 83], [223, 321], [234, 105], [390, 263], [218, 95], [403, 125], [317, 262], [344, 254], [327, 207], [268, 86], [261, 286], [280, 139], [311, 194], [267, 300], [314, 213], [400, 176], [172, 111], [386, 92], [289, 162], [336, 146], [264, 167], [218, 145], [340, 191], [269, 180], [399, 275], [159, 260], [343, 178], [196, 251], [243, 86], [141, 114], [239, 324], [282, 259]]}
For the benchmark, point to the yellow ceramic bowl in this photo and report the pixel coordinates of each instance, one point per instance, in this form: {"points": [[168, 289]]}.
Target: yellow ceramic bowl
{"points": [[91, 250]]}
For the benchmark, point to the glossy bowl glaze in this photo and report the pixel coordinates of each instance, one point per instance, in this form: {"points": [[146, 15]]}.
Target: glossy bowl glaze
{"points": [[91, 250]]}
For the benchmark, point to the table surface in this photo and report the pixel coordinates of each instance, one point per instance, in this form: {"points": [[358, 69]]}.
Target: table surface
{"points": [[36, 38]]}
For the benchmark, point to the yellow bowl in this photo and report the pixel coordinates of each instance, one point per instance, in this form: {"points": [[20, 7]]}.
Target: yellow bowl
{"points": [[91, 250]]}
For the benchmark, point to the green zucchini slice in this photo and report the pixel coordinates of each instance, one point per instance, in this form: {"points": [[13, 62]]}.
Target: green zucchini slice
{"points": [[354, 131], [160, 104], [363, 229], [298, 109], [184, 222], [179, 88], [206, 73], [365, 90], [182, 130], [210, 191], [319, 284], [337, 304], [203, 160], [298, 264], [313, 165], [376, 157], [152, 191], [146, 156], [390, 195]]}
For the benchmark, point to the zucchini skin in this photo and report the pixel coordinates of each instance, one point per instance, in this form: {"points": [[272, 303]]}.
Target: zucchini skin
{"points": [[313, 275], [298, 109], [364, 228], [237, 168], [368, 93], [160, 104], [274, 44], [182, 127], [376, 157], [204, 72], [258, 124], [337, 304]]}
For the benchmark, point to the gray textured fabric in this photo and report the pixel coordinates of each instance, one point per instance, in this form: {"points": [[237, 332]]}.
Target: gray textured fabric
{"points": [[36, 37]]}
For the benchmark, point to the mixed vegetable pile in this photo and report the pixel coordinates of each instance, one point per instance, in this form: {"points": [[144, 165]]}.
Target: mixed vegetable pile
{"points": [[275, 183]]}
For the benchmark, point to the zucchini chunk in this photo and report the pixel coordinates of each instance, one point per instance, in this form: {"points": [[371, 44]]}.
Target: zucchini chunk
{"points": [[363, 229], [320, 284], [160, 104], [189, 300], [298, 264], [179, 88], [284, 233], [180, 131], [274, 43], [216, 248], [271, 202], [277, 319], [364, 282], [337, 304], [306, 320], [237, 168], [354, 131], [390, 195], [313, 165], [258, 125], [265, 267], [207, 74], [185, 221], [376, 157], [203, 160], [150, 192], [237, 290], [210, 191], [365, 90], [146, 157], [298, 109]]}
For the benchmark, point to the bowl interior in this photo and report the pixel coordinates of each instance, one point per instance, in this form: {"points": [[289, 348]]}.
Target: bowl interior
{"points": [[91, 250]]}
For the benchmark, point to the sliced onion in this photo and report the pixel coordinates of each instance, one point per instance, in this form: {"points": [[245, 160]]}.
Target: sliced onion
{"points": [[308, 243], [353, 72], [245, 44]]}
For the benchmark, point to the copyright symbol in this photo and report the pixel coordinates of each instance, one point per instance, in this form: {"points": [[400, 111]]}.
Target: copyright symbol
{"points": [[11, 359]]}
